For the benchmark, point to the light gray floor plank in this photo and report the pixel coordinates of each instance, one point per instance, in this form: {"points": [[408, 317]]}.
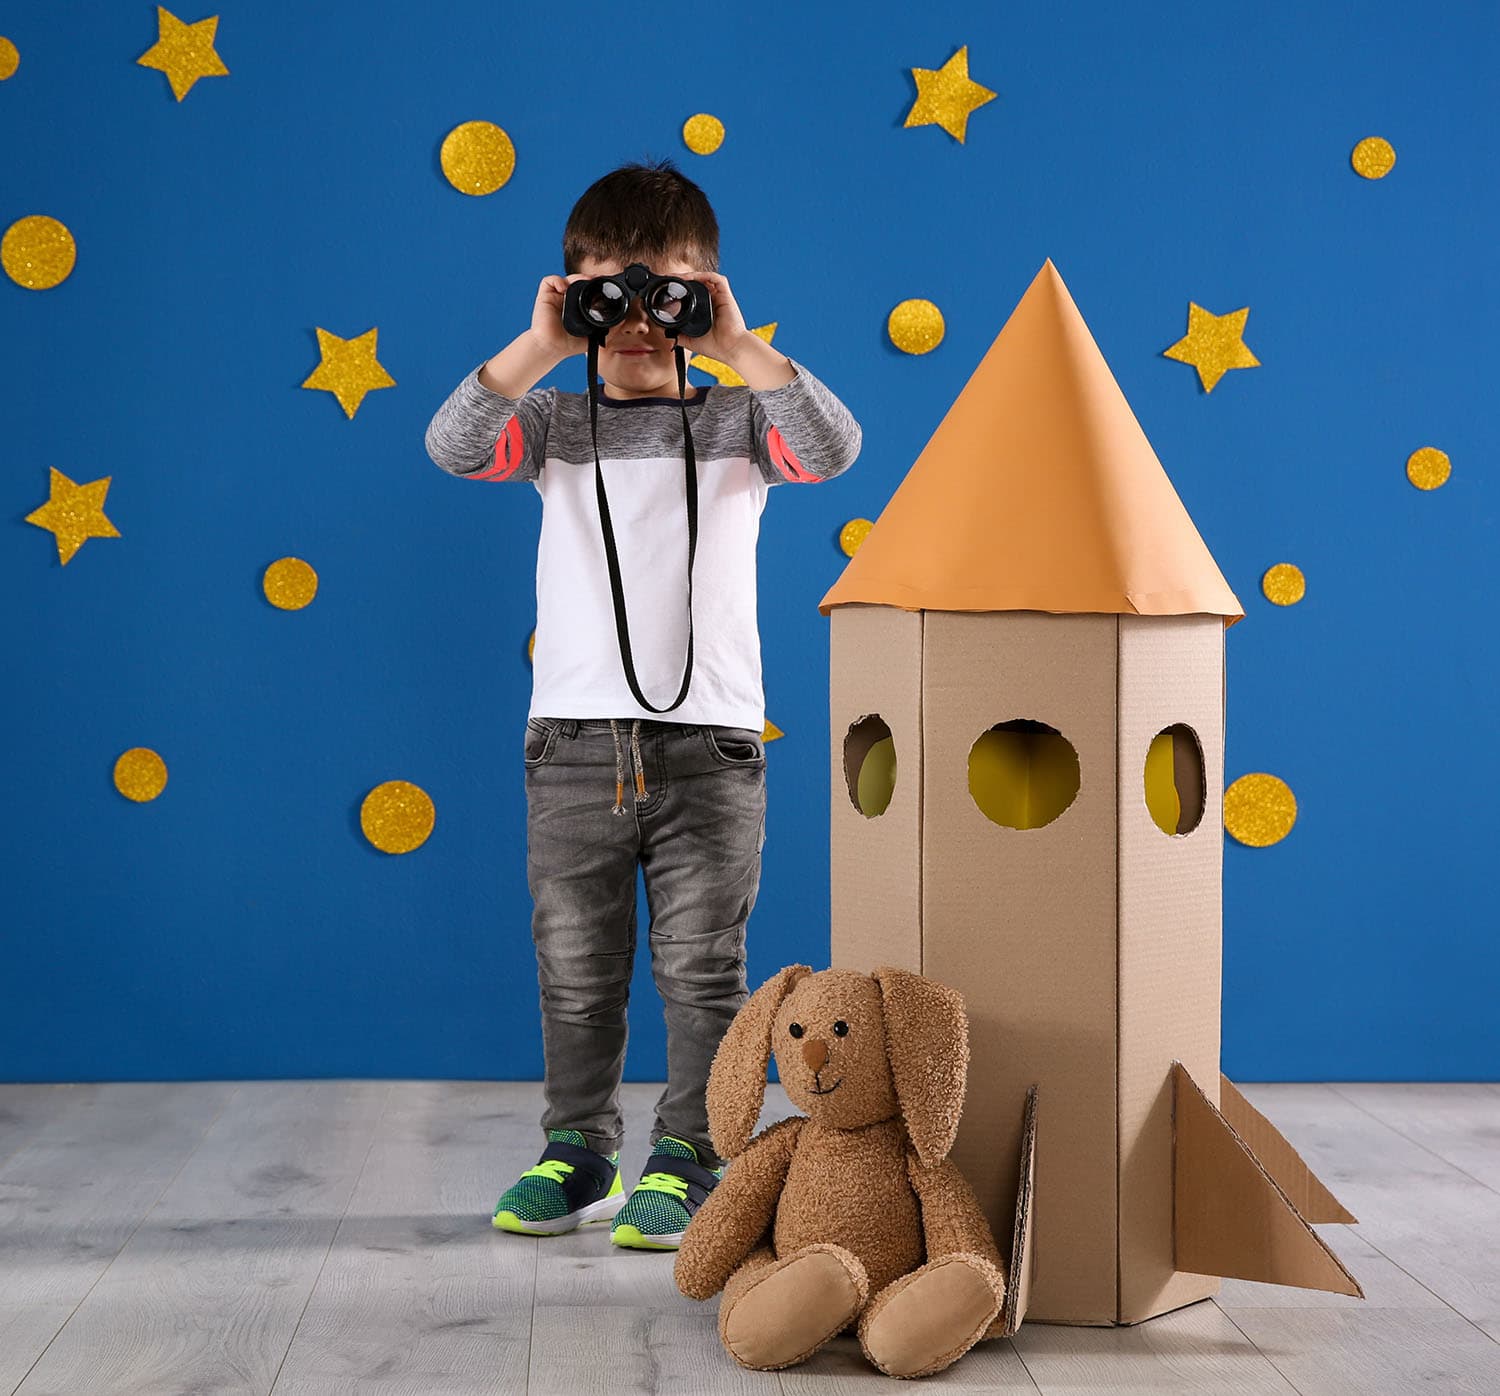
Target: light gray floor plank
{"points": [[1195, 1349], [1348, 1352], [207, 1292], [420, 1293], [25, 1107], [74, 1191], [1424, 1214], [592, 1351], [1459, 1122]]}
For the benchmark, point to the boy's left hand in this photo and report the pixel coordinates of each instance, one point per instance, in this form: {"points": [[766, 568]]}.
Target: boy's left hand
{"points": [[725, 340]]}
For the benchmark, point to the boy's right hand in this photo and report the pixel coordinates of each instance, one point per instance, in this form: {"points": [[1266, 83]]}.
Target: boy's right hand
{"points": [[546, 318]]}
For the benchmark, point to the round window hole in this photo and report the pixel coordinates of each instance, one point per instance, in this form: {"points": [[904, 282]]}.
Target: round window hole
{"points": [[870, 765], [1174, 779], [1023, 774]]}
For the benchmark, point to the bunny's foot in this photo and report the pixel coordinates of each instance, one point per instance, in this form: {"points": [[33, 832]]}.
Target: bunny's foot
{"points": [[776, 1312], [927, 1320]]}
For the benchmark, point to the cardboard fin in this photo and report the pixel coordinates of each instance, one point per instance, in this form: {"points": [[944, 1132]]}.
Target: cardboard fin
{"points": [[1309, 1195], [1231, 1218], [1018, 1280]]}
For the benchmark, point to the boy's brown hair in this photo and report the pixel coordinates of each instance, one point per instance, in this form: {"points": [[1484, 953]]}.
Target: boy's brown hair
{"points": [[641, 211]]}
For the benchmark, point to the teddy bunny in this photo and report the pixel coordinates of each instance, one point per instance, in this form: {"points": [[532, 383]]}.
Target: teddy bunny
{"points": [[852, 1214]]}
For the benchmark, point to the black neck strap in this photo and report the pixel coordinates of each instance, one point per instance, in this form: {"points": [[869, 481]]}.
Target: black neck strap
{"points": [[611, 556]]}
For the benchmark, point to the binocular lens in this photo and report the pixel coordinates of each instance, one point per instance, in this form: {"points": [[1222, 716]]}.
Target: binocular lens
{"points": [[603, 302], [668, 302]]}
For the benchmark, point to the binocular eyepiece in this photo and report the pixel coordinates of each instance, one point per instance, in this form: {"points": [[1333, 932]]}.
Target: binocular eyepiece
{"points": [[680, 306]]}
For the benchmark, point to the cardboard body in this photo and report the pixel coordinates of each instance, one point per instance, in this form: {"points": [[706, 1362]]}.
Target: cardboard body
{"points": [[1087, 951]]}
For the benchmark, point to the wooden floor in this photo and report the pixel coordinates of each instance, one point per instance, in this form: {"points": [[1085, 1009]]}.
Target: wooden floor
{"points": [[333, 1236]]}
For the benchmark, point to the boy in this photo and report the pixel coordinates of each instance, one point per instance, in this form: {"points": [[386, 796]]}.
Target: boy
{"points": [[696, 824]]}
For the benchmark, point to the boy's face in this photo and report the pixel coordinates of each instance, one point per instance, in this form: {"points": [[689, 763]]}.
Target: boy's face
{"points": [[636, 358]]}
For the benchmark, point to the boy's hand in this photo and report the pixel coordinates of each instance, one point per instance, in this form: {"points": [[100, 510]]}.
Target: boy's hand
{"points": [[546, 318], [727, 337]]}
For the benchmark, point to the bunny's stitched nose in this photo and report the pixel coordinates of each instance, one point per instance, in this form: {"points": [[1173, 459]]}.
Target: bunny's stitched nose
{"points": [[815, 1052]]}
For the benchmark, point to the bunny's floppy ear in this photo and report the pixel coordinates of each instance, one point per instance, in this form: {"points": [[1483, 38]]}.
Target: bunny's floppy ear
{"points": [[737, 1078], [927, 1041]]}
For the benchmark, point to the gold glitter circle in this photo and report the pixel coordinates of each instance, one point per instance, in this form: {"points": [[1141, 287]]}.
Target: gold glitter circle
{"points": [[531, 646], [397, 816], [1284, 584], [10, 58], [1427, 468], [290, 583], [853, 534], [140, 774], [1373, 157], [38, 252], [916, 326], [1259, 810], [477, 157], [703, 134]]}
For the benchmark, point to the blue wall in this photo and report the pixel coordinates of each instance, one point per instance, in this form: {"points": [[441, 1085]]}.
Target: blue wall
{"points": [[241, 924]]}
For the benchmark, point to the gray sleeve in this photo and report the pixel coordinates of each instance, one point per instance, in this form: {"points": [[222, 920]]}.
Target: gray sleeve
{"points": [[801, 431], [483, 435]]}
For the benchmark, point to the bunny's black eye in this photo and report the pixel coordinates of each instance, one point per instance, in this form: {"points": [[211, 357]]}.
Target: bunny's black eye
{"points": [[795, 1029], [841, 1028]]}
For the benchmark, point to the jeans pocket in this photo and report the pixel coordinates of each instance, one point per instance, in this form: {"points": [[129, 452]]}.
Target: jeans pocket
{"points": [[735, 746], [541, 736]]}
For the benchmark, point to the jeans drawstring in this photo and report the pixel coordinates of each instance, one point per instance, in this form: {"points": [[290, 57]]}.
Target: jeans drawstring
{"points": [[640, 765]]}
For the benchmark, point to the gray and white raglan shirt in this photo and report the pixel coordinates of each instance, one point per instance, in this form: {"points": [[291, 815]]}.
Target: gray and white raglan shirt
{"points": [[745, 441]]}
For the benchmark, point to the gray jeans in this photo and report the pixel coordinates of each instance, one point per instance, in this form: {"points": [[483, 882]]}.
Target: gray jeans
{"points": [[697, 835]]}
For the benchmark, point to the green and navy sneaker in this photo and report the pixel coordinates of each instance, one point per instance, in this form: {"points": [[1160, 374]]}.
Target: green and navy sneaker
{"points": [[672, 1187], [570, 1185]]}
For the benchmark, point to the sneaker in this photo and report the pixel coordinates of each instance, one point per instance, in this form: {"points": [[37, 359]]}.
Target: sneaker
{"points": [[672, 1187], [569, 1186]]}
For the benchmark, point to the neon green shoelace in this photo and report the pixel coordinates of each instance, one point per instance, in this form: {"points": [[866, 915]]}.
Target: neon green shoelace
{"points": [[665, 1182], [553, 1168]]}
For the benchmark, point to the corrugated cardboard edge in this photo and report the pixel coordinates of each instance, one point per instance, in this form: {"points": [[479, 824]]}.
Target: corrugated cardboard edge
{"points": [[1308, 1192], [1231, 1217], [1022, 1254]]}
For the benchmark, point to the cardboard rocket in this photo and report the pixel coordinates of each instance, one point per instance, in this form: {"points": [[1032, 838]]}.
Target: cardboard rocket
{"points": [[1027, 706]]}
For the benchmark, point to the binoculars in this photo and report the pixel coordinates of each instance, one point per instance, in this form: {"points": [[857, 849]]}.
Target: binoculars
{"points": [[591, 308]]}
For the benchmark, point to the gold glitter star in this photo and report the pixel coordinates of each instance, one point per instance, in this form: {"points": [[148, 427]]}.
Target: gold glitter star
{"points": [[349, 369], [184, 52], [946, 96], [1214, 344], [74, 513], [727, 377]]}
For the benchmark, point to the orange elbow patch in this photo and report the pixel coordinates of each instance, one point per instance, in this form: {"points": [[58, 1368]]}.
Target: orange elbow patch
{"points": [[783, 458], [508, 452]]}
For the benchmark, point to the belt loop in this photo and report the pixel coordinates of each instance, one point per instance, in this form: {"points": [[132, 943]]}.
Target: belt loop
{"points": [[569, 726]]}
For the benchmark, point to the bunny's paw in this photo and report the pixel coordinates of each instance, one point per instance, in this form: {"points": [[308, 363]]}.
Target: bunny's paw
{"points": [[785, 1310], [927, 1320]]}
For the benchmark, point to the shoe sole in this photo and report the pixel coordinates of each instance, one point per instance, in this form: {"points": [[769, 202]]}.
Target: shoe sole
{"points": [[635, 1239], [603, 1210]]}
